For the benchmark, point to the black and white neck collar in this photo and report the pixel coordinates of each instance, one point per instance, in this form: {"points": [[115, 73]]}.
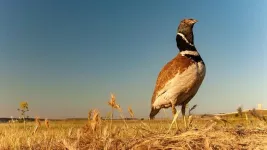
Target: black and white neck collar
{"points": [[189, 52], [183, 44], [194, 55], [184, 38]]}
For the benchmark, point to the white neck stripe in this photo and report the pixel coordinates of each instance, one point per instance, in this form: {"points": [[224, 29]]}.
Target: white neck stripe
{"points": [[187, 52], [185, 39]]}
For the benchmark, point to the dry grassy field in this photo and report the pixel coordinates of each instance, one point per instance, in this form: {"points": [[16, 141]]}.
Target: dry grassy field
{"points": [[240, 130], [209, 132]]}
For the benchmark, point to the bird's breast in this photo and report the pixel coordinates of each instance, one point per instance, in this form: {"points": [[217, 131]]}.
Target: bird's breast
{"points": [[190, 78], [182, 86]]}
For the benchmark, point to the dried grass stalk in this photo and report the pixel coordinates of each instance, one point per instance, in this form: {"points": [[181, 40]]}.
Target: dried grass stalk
{"points": [[35, 129], [89, 115], [191, 109], [47, 123], [246, 115], [112, 101], [96, 120], [190, 120], [37, 124], [114, 105], [37, 121], [207, 144], [131, 112]]}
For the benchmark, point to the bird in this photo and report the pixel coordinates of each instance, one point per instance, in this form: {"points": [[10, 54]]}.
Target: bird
{"points": [[180, 79]]}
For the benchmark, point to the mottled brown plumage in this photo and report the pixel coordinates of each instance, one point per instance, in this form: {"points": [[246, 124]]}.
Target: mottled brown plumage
{"points": [[177, 65]]}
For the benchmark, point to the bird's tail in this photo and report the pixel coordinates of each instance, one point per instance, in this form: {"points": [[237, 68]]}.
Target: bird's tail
{"points": [[153, 113]]}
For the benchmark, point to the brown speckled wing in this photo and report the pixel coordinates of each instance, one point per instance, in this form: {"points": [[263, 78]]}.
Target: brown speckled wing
{"points": [[177, 65]]}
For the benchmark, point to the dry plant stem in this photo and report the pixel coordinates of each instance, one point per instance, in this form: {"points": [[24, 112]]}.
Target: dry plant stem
{"points": [[89, 115], [24, 122], [176, 124], [35, 129], [191, 109], [247, 118], [111, 117], [112, 103], [47, 123], [190, 119], [185, 124], [131, 112], [37, 125]]}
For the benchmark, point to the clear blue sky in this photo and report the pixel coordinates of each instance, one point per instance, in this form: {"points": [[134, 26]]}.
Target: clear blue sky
{"points": [[65, 57]]}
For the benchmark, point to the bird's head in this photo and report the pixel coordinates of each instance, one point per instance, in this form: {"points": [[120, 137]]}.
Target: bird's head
{"points": [[186, 28], [186, 25]]}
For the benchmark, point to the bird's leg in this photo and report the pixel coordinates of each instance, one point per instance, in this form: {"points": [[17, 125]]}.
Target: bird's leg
{"points": [[183, 113], [174, 112], [173, 109]]}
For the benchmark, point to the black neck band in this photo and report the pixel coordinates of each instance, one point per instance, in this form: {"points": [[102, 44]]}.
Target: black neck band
{"points": [[193, 57]]}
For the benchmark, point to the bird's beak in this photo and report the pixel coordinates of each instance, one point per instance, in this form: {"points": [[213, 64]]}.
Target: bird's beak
{"points": [[194, 21]]}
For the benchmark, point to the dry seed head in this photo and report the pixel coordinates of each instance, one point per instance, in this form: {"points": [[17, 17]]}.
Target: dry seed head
{"points": [[131, 112], [95, 115], [112, 101], [192, 108], [96, 120]]}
